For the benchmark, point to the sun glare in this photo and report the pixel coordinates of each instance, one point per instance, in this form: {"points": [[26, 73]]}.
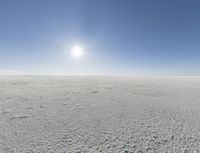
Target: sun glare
{"points": [[77, 51]]}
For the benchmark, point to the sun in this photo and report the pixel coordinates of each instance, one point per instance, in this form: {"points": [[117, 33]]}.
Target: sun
{"points": [[77, 51]]}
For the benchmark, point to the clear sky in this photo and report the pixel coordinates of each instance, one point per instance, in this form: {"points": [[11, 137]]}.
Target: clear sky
{"points": [[118, 36]]}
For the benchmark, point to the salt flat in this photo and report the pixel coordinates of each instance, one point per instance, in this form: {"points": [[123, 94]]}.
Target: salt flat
{"points": [[99, 114]]}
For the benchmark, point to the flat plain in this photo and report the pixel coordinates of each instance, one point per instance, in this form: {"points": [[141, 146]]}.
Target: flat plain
{"points": [[93, 114]]}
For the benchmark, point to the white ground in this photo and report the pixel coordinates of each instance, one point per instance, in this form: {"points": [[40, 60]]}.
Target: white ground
{"points": [[99, 114]]}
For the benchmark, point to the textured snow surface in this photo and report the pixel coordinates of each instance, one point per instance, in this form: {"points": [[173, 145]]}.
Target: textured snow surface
{"points": [[99, 114]]}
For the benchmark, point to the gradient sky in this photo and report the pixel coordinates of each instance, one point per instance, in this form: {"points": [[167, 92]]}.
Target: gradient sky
{"points": [[119, 36]]}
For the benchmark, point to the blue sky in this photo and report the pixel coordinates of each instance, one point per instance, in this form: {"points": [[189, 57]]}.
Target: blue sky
{"points": [[160, 37]]}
